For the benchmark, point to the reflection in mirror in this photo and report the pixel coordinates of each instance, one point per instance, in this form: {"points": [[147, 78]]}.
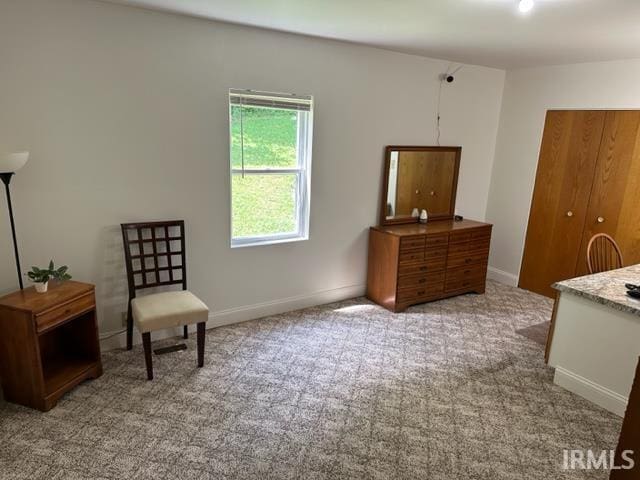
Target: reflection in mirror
{"points": [[421, 178]]}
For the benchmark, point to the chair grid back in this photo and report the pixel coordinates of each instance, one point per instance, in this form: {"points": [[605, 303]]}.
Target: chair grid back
{"points": [[603, 254], [154, 254]]}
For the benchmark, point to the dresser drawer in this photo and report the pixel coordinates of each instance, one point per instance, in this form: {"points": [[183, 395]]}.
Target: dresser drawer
{"points": [[437, 240], [411, 256], [458, 248], [477, 245], [420, 279], [412, 243], [469, 259], [470, 235], [471, 271], [412, 269], [468, 284], [465, 277], [436, 263], [428, 265], [478, 233], [51, 318], [413, 294], [435, 252], [460, 237]]}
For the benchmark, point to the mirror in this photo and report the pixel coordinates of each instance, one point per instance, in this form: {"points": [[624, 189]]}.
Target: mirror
{"points": [[419, 178]]}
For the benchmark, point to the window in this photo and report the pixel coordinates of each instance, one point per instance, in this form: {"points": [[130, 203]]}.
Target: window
{"points": [[270, 167]]}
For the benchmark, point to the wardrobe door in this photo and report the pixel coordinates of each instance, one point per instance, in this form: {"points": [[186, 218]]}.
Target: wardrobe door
{"points": [[411, 189], [614, 207], [566, 167]]}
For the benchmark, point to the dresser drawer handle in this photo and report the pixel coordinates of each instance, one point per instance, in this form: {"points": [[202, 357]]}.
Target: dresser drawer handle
{"points": [[422, 280], [421, 292], [422, 269], [467, 260], [467, 272]]}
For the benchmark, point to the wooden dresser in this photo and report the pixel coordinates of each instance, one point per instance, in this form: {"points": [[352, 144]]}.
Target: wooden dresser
{"points": [[48, 343], [410, 264]]}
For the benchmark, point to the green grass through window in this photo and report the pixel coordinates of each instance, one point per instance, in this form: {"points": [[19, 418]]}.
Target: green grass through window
{"points": [[263, 204], [270, 137]]}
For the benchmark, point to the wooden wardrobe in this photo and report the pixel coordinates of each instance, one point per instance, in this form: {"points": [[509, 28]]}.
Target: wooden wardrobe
{"points": [[587, 182]]}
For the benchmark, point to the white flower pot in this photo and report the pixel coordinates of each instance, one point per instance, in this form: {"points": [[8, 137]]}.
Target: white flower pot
{"points": [[41, 287]]}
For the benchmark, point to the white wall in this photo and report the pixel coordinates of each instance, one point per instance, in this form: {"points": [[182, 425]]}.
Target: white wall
{"points": [[125, 114], [528, 94]]}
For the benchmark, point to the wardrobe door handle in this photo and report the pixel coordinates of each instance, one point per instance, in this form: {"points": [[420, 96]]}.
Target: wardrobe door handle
{"points": [[600, 219], [569, 213]]}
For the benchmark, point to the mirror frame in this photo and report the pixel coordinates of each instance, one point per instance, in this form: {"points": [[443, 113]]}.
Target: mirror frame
{"points": [[385, 182]]}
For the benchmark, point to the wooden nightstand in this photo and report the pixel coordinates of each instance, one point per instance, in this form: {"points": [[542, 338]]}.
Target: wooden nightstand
{"points": [[48, 343]]}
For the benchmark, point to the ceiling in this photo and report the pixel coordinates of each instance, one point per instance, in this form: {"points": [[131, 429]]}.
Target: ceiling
{"points": [[484, 32]]}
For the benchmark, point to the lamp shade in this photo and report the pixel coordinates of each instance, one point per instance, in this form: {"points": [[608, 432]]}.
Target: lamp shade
{"points": [[13, 162]]}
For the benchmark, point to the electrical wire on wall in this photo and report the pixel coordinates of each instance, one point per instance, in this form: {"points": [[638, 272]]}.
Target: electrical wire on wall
{"points": [[448, 78], [438, 110]]}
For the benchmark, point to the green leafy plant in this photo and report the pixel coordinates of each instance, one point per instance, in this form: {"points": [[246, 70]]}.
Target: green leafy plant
{"points": [[43, 275]]}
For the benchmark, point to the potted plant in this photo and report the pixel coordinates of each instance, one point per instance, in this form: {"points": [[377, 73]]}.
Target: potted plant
{"points": [[41, 276]]}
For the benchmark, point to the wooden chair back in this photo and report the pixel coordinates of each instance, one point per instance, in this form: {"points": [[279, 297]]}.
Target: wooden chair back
{"points": [[603, 254], [154, 254]]}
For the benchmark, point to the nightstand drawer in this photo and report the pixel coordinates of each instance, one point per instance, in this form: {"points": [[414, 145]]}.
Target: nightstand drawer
{"points": [[51, 318]]}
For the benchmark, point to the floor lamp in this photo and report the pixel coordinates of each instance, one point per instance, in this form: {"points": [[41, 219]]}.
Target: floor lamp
{"points": [[10, 164]]}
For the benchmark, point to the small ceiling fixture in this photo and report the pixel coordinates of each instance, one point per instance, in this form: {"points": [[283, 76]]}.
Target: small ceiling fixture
{"points": [[525, 5]]}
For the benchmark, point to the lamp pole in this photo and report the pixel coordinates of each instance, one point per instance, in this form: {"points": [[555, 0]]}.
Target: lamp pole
{"points": [[6, 179]]}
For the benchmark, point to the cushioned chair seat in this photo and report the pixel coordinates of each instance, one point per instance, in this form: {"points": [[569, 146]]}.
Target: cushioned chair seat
{"points": [[168, 309]]}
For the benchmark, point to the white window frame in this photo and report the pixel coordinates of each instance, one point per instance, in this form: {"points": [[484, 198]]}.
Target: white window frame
{"points": [[302, 172]]}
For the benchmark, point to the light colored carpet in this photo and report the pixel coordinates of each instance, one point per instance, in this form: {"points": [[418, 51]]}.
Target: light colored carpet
{"points": [[538, 333], [447, 390]]}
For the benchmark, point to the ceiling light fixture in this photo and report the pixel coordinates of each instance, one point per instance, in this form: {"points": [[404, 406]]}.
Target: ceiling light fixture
{"points": [[525, 5]]}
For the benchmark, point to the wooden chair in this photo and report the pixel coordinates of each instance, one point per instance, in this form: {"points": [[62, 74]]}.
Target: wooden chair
{"points": [[603, 254], [155, 257]]}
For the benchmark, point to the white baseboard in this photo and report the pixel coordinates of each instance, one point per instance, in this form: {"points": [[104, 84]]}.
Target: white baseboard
{"points": [[242, 314], [607, 399], [501, 276]]}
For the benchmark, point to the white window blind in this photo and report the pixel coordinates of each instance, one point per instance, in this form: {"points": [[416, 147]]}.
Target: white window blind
{"points": [[270, 100]]}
